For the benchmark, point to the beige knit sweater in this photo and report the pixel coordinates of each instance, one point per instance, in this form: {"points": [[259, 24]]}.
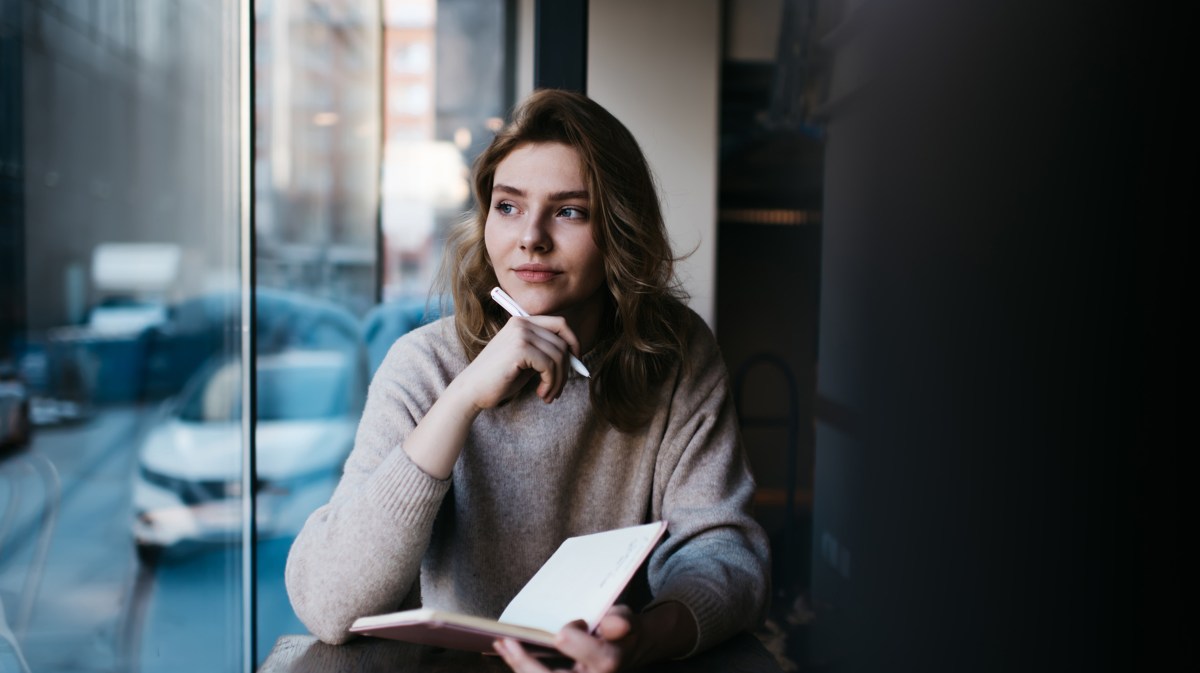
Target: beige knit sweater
{"points": [[531, 475]]}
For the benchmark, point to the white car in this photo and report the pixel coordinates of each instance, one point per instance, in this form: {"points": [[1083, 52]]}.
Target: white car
{"points": [[188, 485]]}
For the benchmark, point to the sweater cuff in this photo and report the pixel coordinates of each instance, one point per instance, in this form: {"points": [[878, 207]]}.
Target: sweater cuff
{"points": [[404, 490], [712, 622]]}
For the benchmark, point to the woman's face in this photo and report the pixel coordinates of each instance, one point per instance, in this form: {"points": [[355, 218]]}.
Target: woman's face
{"points": [[539, 235]]}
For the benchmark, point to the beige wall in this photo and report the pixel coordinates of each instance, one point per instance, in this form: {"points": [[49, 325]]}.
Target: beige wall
{"points": [[655, 65]]}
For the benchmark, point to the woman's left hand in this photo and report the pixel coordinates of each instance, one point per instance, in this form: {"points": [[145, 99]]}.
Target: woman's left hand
{"points": [[613, 648]]}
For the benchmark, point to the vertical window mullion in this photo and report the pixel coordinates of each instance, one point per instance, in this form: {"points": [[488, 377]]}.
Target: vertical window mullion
{"points": [[560, 44], [245, 108]]}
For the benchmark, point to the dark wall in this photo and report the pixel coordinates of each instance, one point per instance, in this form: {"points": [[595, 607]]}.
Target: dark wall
{"points": [[995, 484], [766, 312], [767, 270]]}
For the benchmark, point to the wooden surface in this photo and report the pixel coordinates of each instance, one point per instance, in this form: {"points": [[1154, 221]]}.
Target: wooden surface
{"points": [[305, 654]]}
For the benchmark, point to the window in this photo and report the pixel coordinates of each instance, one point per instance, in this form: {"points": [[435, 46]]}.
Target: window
{"points": [[119, 241], [121, 285]]}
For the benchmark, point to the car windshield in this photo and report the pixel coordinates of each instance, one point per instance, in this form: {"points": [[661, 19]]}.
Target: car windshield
{"points": [[292, 385]]}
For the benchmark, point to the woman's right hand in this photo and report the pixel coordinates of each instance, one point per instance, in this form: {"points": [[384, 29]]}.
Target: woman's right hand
{"points": [[536, 346], [524, 348]]}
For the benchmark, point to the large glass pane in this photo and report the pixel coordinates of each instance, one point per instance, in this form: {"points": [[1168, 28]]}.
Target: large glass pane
{"points": [[367, 116], [317, 148], [448, 82], [446, 91], [120, 475]]}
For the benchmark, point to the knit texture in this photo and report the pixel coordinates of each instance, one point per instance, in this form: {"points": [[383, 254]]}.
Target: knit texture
{"points": [[531, 475]]}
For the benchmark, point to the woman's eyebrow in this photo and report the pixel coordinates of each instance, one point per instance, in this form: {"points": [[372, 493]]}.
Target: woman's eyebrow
{"points": [[555, 196], [508, 190], [569, 195]]}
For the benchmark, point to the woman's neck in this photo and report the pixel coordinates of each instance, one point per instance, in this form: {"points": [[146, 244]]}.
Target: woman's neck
{"points": [[586, 319]]}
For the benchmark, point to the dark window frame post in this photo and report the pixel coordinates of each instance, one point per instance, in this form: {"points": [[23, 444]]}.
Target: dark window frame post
{"points": [[560, 44]]}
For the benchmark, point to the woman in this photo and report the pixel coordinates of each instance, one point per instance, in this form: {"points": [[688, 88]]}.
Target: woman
{"points": [[480, 448]]}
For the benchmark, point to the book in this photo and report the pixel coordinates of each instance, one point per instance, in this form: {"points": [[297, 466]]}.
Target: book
{"points": [[580, 581]]}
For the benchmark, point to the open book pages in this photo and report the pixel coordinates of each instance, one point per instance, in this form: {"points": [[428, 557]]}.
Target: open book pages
{"points": [[580, 581], [449, 629]]}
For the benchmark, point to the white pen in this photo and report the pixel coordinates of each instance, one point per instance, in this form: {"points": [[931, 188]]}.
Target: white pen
{"points": [[516, 311]]}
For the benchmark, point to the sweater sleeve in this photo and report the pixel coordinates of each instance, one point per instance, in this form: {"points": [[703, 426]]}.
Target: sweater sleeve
{"points": [[360, 554], [716, 558]]}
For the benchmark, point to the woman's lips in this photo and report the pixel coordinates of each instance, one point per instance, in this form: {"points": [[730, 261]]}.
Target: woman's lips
{"points": [[535, 273]]}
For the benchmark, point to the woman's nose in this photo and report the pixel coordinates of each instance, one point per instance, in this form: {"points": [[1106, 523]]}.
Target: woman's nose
{"points": [[536, 236]]}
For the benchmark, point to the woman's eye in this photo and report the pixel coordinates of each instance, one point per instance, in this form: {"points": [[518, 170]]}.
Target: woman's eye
{"points": [[572, 213], [506, 208]]}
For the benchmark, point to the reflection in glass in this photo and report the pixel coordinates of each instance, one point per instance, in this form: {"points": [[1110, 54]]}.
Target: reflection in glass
{"points": [[317, 153], [446, 87], [120, 310], [118, 207], [310, 380], [317, 148], [367, 117]]}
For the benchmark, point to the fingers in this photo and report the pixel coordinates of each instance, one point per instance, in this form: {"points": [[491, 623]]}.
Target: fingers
{"points": [[545, 343], [616, 624], [525, 347], [591, 654], [560, 328], [548, 358], [517, 658]]}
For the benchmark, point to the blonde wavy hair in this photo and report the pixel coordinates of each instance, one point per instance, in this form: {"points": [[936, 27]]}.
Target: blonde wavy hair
{"points": [[641, 335]]}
